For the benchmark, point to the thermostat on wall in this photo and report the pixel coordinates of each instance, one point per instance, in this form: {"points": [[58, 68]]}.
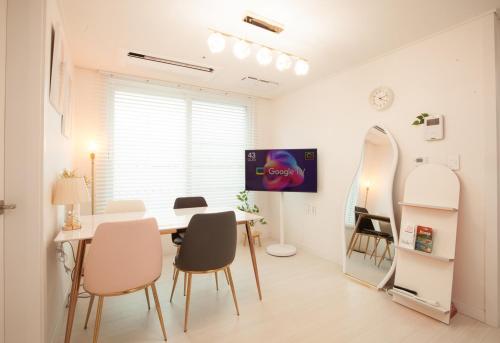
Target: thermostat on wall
{"points": [[433, 126]]}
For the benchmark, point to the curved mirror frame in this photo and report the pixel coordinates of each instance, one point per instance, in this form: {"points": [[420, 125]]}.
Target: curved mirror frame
{"points": [[370, 233]]}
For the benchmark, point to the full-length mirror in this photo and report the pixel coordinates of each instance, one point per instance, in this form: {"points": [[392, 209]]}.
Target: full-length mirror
{"points": [[370, 231]]}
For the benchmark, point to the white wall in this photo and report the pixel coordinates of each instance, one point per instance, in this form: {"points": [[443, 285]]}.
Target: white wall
{"points": [[448, 73], [57, 156]]}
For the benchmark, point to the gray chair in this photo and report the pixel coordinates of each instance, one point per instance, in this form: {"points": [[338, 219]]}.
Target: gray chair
{"points": [[209, 245], [178, 237]]}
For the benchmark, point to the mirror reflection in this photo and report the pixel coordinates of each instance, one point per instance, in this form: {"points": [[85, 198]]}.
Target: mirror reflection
{"points": [[370, 232]]}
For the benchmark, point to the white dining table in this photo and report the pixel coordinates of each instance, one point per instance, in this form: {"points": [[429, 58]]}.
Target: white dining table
{"points": [[169, 221]]}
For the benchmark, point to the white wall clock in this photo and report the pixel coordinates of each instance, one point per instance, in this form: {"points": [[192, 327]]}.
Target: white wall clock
{"points": [[381, 98]]}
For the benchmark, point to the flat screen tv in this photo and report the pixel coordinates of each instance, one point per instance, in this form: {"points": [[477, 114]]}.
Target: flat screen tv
{"points": [[281, 170]]}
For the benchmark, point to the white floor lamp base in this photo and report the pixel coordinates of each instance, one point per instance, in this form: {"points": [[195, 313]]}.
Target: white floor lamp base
{"points": [[281, 250]]}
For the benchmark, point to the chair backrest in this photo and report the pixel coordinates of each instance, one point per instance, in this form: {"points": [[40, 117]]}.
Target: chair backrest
{"points": [[209, 242], [121, 206], [365, 223], [123, 256], [190, 202]]}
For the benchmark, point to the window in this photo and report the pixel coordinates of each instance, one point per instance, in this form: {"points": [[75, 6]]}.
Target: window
{"points": [[162, 143]]}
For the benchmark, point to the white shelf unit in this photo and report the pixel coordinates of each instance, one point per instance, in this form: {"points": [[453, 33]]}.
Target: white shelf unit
{"points": [[432, 207], [431, 199], [431, 255]]}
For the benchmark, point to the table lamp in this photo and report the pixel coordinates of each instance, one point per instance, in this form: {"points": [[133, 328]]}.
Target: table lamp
{"points": [[71, 191]]}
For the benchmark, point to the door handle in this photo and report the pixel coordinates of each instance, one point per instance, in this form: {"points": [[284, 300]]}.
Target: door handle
{"points": [[4, 206]]}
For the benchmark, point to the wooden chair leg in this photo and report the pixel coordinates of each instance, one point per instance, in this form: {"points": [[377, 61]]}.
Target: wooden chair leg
{"points": [[225, 273], [358, 236], [258, 238], [383, 257], [185, 283], [176, 276], [359, 245], [147, 298], [91, 302], [188, 298], [389, 249], [233, 290], [98, 318], [366, 246], [216, 282], [244, 239], [352, 243], [158, 310], [374, 252]]}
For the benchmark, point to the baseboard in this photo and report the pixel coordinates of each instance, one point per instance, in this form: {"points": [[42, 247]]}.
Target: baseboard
{"points": [[470, 311]]}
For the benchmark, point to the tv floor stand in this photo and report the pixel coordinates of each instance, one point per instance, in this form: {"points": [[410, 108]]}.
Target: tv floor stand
{"points": [[281, 249]]}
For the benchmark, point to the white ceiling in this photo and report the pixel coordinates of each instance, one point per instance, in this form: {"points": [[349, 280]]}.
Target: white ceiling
{"points": [[333, 35]]}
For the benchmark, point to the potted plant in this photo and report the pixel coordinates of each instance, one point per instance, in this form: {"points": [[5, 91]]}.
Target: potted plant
{"points": [[246, 207]]}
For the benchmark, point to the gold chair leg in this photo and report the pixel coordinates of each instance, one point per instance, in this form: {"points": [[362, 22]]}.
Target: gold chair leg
{"points": [[98, 318], [185, 283], [188, 297], [176, 276], [389, 249], [91, 302], [158, 310], [225, 273], [233, 290], [383, 257], [147, 298], [216, 282]]}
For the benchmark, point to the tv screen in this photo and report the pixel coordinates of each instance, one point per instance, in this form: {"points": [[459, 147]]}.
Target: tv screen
{"points": [[281, 170]]}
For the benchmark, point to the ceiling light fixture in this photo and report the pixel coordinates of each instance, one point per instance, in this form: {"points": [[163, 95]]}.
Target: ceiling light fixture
{"points": [[216, 42], [241, 49], [264, 56], [283, 62], [301, 67]]}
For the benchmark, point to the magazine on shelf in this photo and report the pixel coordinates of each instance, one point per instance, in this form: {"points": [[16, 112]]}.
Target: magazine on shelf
{"points": [[424, 239], [407, 236]]}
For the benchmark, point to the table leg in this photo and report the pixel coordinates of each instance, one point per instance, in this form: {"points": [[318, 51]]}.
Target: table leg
{"points": [[254, 260], [74, 289]]}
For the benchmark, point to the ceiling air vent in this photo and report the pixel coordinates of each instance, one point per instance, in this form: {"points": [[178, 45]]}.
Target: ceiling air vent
{"points": [[170, 62], [263, 23], [250, 80]]}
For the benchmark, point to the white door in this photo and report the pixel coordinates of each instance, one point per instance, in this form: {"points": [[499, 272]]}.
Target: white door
{"points": [[3, 29]]}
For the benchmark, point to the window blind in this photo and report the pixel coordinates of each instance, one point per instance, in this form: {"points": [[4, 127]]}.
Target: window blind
{"points": [[160, 142]]}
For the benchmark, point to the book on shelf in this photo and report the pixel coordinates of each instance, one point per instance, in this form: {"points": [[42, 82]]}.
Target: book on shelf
{"points": [[423, 240], [407, 236]]}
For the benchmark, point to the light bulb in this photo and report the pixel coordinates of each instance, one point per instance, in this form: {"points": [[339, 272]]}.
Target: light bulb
{"points": [[264, 56], [367, 184], [283, 62], [216, 42], [301, 67], [241, 49], [92, 147]]}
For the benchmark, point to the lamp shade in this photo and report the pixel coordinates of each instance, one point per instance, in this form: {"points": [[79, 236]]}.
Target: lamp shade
{"points": [[70, 191]]}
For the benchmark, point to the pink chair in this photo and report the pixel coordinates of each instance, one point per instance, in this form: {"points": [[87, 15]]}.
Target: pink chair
{"points": [[125, 257]]}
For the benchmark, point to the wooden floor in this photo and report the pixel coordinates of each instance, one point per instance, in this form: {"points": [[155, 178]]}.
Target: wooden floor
{"points": [[305, 299]]}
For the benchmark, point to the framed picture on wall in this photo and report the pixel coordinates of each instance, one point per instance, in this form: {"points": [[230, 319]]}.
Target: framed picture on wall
{"points": [[56, 69], [67, 113]]}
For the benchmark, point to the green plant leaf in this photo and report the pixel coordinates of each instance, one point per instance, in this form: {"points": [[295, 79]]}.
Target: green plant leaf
{"points": [[416, 122], [424, 114]]}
